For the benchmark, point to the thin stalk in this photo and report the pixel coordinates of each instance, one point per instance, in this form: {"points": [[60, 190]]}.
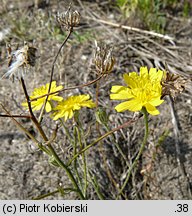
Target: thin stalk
{"points": [[67, 170], [75, 161], [46, 195], [52, 71], [66, 131], [126, 124], [139, 153], [73, 141], [33, 118], [20, 126], [53, 193], [84, 161], [97, 94], [117, 146], [15, 116], [96, 186], [69, 88], [74, 144], [54, 154]]}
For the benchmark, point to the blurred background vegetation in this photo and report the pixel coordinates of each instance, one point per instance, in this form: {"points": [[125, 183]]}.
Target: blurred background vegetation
{"points": [[153, 13]]}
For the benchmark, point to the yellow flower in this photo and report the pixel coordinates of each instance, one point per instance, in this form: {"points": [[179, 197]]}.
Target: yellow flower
{"points": [[67, 107], [37, 104], [144, 90]]}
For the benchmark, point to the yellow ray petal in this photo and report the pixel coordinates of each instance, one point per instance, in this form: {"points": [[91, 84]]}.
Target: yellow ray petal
{"points": [[143, 72], [153, 73], [57, 98], [36, 107], [130, 79], [156, 101], [116, 89], [48, 107], [131, 105], [151, 109]]}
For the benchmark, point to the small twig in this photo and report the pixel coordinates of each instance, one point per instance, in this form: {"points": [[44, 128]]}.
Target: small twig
{"points": [[69, 88], [20, 126], [15, 116], [165, 37], [33, 118], [53, 137]]}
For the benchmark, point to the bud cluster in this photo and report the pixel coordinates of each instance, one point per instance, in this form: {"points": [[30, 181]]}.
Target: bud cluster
{"points": [[172, 84], [68, 19], [104, 60]]}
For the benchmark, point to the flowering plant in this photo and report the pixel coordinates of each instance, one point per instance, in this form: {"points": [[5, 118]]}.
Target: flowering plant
{"points": [[37, 104], [143, 90], [65, 109]]}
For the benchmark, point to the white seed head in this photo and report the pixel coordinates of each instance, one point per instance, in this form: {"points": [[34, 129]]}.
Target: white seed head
{"points": [[20, 61]]}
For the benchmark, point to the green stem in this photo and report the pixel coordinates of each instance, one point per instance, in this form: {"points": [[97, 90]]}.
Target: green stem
{"points": [[117, 146], [84, 160], [53, 193], [139, 153], [126, 124], [45, 195], [75, 161], [71, 139], [96, 186], [67, 170]]}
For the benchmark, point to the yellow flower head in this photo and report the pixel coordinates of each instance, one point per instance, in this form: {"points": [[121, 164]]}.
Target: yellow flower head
{"points": [[37, 104], [144, 90], [67, 107]]}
